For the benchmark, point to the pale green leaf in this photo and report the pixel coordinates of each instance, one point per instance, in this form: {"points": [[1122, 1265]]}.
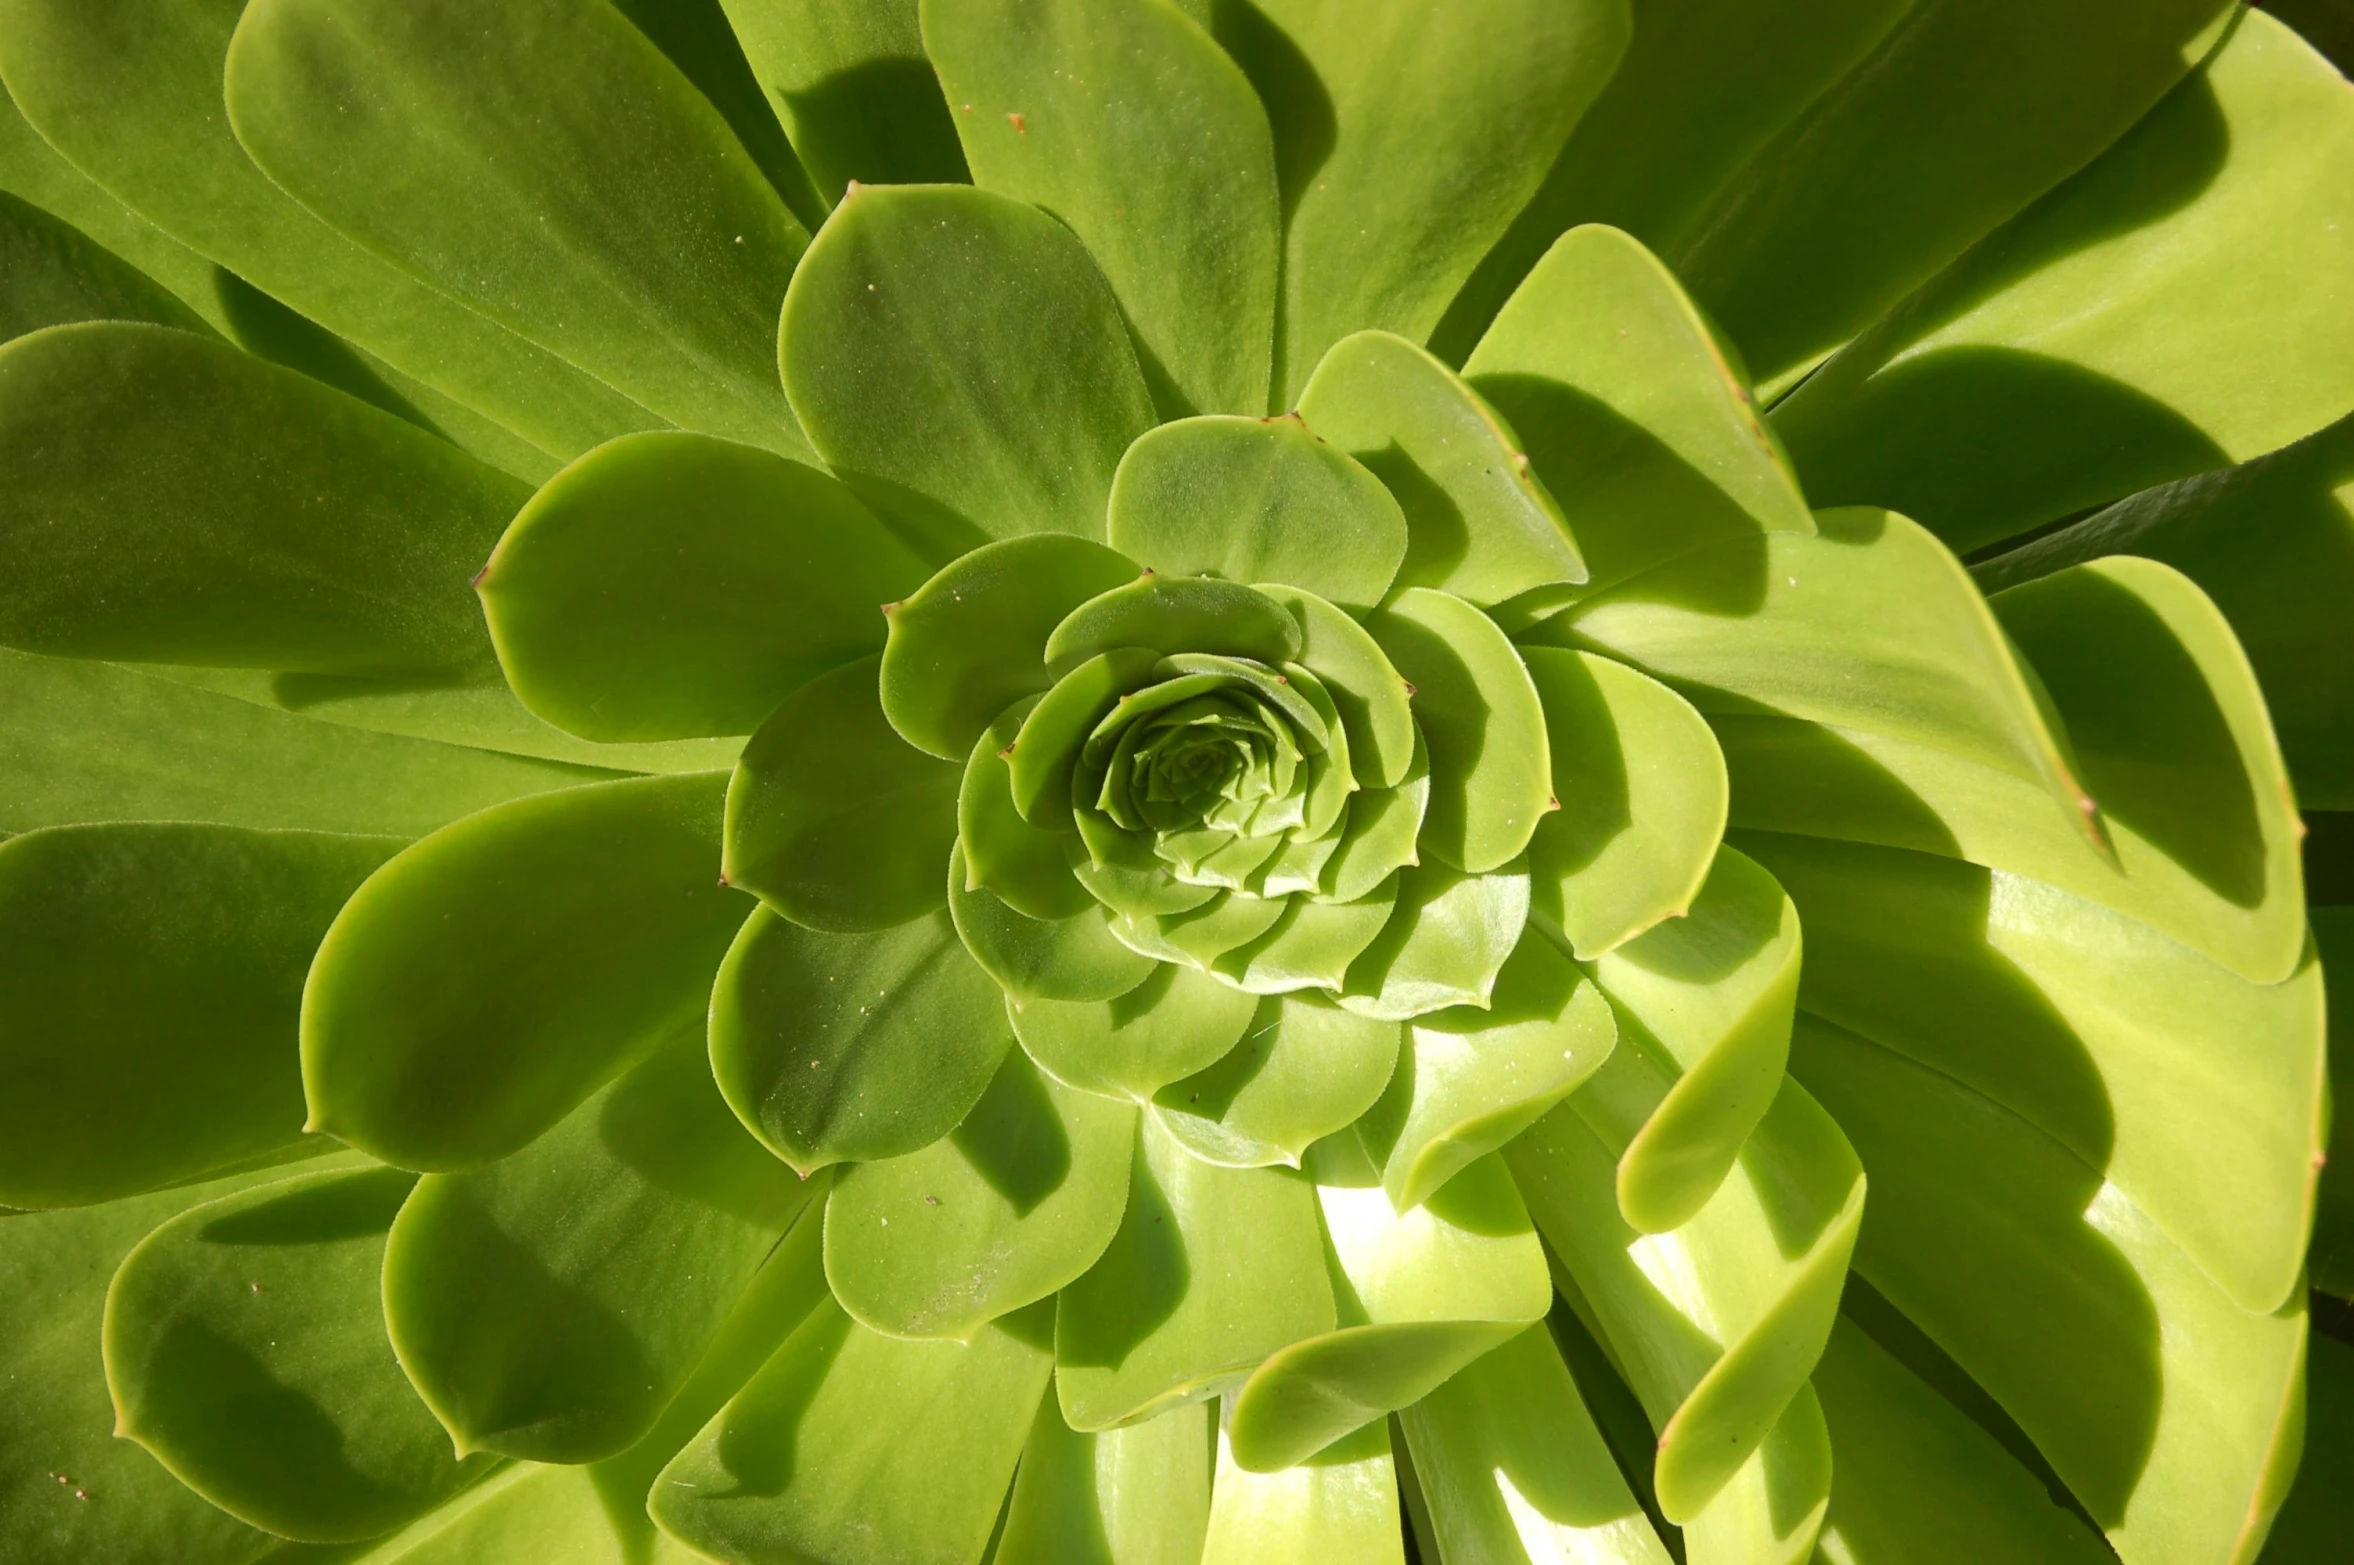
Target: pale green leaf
{"points": [[1075, 958], [1133, 1496], [1342, 1504], [1303, 1069], [1178, 1021], [1448, 938]]}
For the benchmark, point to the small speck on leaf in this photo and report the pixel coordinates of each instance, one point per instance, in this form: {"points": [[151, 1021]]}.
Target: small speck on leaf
{"points": [[1021, 126]]}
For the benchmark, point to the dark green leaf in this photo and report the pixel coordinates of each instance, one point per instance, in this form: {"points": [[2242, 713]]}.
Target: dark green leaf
{"points": [[52, 273], [667, 586], [488, 979]]}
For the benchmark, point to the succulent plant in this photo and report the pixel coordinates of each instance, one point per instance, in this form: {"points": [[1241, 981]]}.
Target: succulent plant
{"points": [[1256, 1011]]}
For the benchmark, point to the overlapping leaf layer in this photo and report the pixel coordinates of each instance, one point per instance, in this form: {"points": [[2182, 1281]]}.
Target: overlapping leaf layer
{"points": [[1435, 919]]}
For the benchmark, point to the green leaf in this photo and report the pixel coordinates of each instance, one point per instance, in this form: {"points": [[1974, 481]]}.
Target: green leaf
{"points": [[1379, 834], [1772, 1509], [848, 1445], [1479, 524], [1643, 795], [150, 992], [52, 274], [667, 586], [1073, 958], [488, 979], [1201, 937], [1871, 625], [549, 1305], [1428, 1292], [1028, 867], [1357, 675], [138, 109], [1312, 946], [847, 1047], [2221, 206], [959, 361], [476, 151], [1342, 1504], [70, 1492], [1914, 1471], [84, 742], [1197, 615], [1515, 1470], [1719, 1321], [972, 640], [1445, 944], [2167, 1410], [2198, 1094], [1900, 166], [1303, 1069], [2168, 711], [850, 82], [1634, 415], [1133, 1496], [1040, 755], [1020, 1199], [2331, 1257], [832, 818], [1212, 1270], [1471, 1079], [1490, 768], [1188, 244], [1701, 89], [1404, 144], [1703, 1004], [2319, 1510], [1178, 1021], [2282, 596], [1257, 500], [266, 1301], [176, 501]]}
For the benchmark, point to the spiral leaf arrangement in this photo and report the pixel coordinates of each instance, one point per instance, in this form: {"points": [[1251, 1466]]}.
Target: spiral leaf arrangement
{"points": [[1211, 863]]}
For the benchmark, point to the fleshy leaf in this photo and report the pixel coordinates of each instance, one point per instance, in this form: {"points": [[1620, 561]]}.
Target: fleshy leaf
{"points": [[1718, 1321], [1312, 946], [1703, 1005], [2166, 1409], [2331, 1256], [1428, 1292], [486, 980], [1913, 1466], [173, 500], [1444, 945], [1021, 1198], [152, 978], [1490, 767], [2281, 597], [1303, 1069], [58, 1447], [1028, 867], [1479, 524], [55, 275], [1039, 756], [139, 111], [1189, 244], [1469, 1079], [851, 84], [959, 361], [1179, 615], [2212, 215], [972, 640], [549, 1305], [1254, 499], [1341, 1504], [267, 1301], [833, 819], [850, 1445], [1212, 1270], [1073, 958], [476, 151], [83, 741], [1178, 1021], [1513, 1468], [669, 585], [849, 1047], [1378, 835], [1133, 1496], [1632, 413], [2198, 1094], [1643, 793], [1871, 625], [1357, 675], [1404, 143], [1964, 114]]}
